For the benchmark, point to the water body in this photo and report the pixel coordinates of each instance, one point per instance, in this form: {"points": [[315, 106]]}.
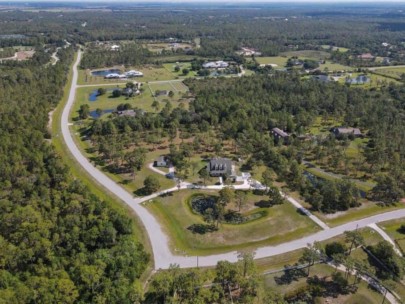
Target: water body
{"points": [[94, 95], [104, 73], [94, 114]]}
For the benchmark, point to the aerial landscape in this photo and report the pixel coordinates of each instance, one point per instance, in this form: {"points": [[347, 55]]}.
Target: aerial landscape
{"points": [[202, 152]]}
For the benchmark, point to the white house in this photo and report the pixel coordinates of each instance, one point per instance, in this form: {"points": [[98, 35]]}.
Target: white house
{"points": [[215, 64], [133, 73], [161, 161], [115, 47]]}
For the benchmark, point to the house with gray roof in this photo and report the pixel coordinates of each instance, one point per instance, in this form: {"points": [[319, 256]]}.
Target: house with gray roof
{"points": [[220, 167], [341, 131], [279, 134]]}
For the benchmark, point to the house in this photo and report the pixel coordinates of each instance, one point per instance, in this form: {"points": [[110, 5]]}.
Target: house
{"points": [[128, 113], [161, 161], [112, 76], [133, 73], [280, 134], [341, 131], [220, 167], [245, 51], [366, 56], [215, 65], [115, 47], [361, 79], [322, 78]]}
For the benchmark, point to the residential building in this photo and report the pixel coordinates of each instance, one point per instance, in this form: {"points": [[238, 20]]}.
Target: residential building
{"points": [[361, 79], [128, 113], [215, 65], [280, 134], [366, 56], [161, 161], [340, 131], [221, 167]]}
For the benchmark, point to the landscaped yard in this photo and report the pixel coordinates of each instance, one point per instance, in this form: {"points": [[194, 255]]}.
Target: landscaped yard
{"points": [[375, 81], [282, 223], [182, 65]]}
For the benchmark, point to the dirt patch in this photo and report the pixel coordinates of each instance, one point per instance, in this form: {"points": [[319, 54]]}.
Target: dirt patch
{"points": [[24, 55]]}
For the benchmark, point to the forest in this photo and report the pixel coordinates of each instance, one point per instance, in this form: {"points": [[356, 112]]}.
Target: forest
{"points": [[59, 243]]}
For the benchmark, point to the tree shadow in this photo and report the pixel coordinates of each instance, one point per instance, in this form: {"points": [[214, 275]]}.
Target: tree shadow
{"points": [[290, 274], [202, 228], [264, 204]]}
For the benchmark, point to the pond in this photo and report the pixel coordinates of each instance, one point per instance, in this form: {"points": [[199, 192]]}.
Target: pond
{"points": [[94, 95], [93, 114], [104, 73]]}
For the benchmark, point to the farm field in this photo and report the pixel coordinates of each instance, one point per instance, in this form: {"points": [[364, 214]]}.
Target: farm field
{"points": [[280, 61], [282, 223], [159, 47]]}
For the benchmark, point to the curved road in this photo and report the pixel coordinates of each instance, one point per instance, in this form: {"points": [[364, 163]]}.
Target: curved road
{"points": [[162, 255]]}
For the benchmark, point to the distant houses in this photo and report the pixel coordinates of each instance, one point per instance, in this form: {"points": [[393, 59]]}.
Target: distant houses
{"points": [[279, 134], [247, 52], [366, 56], [127, 113], [346, 131], [215, 65], [322, 78], [220, 167], [361, 79]]}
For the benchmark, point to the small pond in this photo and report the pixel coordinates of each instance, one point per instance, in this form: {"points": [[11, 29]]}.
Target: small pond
{"points": [[103, 73], [94, 95], [94, 114]]}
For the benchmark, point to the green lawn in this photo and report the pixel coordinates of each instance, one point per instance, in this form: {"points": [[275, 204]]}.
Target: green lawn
{"points": [[280, 61], [391, 71], [281, 224], [307, 54], [334, 67], [182, 65], [335, 48], [392, 228]]}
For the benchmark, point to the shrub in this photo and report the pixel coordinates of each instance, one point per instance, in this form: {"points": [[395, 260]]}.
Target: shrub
{"points": [[334, 248]]}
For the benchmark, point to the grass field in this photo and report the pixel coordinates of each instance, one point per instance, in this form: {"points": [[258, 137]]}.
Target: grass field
{"points": [[395, 72], [278, 60], [392, 228], [282, 223], [159, 47], [307, 54], [182, 65], [335, 48]]}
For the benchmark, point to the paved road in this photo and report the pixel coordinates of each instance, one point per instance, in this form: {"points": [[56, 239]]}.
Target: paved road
{"points": [[162, 255], [386, 237]]}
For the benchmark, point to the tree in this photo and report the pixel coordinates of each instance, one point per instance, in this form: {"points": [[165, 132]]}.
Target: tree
{"points": [[185, 71], [151, 184], [309, 256], [156, 105], [84, 111], [354, 238], [275, 196], [387, 190], [226, 195], [101, 91], [241, 199], [117, 93], [171, 94], [99, 112], [177, 69], [334, 248], [204, 175], [267, 178]]}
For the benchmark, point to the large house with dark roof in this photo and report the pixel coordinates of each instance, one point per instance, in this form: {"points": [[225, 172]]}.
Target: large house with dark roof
{"points": [[220, 167]]}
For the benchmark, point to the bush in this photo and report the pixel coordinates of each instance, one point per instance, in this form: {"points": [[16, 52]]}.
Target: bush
{"points": [[334, 248], [202, 228], [117, 93], [201, 203]]}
